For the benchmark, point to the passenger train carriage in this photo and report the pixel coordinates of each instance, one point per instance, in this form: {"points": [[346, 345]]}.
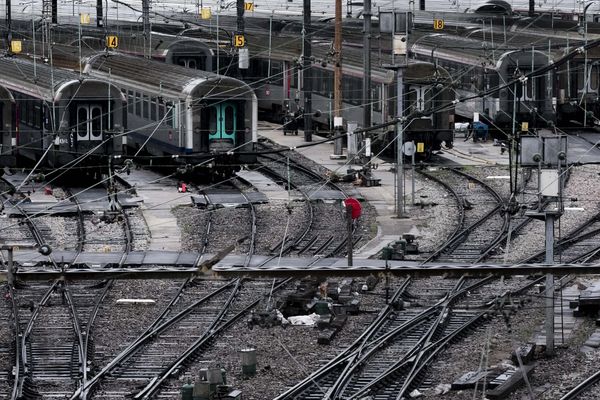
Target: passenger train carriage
{"points": [[59, 117], [174, 111], [7, 139], [276, 77], [565, 94]]}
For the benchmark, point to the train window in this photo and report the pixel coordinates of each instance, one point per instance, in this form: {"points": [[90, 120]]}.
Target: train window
{"points": [[161, 111], [130, 102], [294, 78], [37, 113], [95, 125], [175, 115], [24, 109], [169, 117], [316, 80], [229, 120], [594, 77], [138, 104], [153, 103], [89, 122], [82, 120], [212, 119], [29, 110], [145, 106], [329, 77], [376, 97], [355, 91], [276, 73]]}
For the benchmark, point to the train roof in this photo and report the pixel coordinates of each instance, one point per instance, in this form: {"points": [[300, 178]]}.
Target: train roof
{"points": [[38, 80], [485, 47], [155, 76]]}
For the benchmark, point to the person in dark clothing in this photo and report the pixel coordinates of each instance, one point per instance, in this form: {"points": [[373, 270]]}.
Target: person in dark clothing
{"points": [[480, 131]]}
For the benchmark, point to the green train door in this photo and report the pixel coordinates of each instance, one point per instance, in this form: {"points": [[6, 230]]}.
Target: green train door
{"points": [[222, 123]]}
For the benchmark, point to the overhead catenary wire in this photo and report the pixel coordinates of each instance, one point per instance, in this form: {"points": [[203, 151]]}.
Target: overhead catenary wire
{"points": [[393, 122]]}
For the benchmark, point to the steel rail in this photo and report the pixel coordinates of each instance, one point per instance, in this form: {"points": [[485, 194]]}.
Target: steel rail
{"points": [[108, 285], [583, 387], [269, 171], [350, 352], [17, 331], [217, 327], [157, 327], [19, 384], [461, 233], [572, 238], [251, 250], [412, 360], [319, 179]]}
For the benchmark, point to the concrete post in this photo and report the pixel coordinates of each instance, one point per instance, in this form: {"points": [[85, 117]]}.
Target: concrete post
{"points": [[549, 293]]}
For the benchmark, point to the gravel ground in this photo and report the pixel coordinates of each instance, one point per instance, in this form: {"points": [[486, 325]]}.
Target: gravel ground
{"points": [[118, 325], [7, 338], [434, 214], [276, 221], [552, 377], [284, 355], [581, 186]]}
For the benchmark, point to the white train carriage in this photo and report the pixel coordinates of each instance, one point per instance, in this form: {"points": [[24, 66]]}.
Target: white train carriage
{"points": [[175, 111]]}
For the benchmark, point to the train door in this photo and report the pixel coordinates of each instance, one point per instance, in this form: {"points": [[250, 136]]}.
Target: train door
{"points": [[222, 122], [89, 122], [217, 127]]}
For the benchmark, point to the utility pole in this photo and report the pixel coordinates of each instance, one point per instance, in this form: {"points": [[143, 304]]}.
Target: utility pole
{"points": [[367, 64], [54, 11], [99, 14], [8, 26], [337, 80], [531, 8], [146, 28], [399, 141], [307, 73], [550, 186], [240, 17], [399, 44], [549, 292], [240, 39]]}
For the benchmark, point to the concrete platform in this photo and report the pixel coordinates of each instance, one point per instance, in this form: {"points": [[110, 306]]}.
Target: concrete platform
{"points": [[159, 195], [269, 187], [383, 198]]}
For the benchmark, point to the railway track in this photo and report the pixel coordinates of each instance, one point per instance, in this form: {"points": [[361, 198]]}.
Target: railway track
{"points": [[56, 322], [390, 358], [582, 245], [8, 335], [318, 238], [588, 389], [198, 312], [480, 221]]}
